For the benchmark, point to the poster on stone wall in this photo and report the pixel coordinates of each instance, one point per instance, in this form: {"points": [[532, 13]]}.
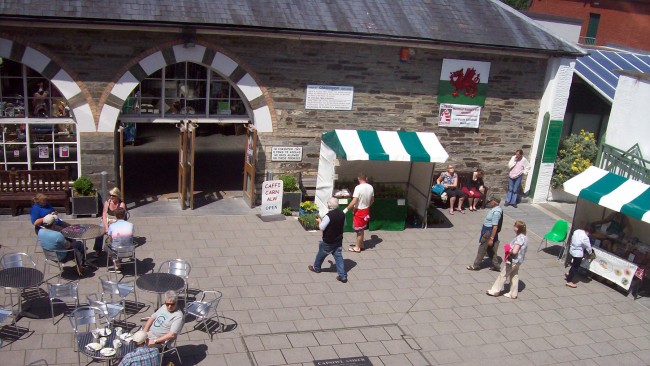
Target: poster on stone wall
{"points": [[329, 97], [463, 82], [457, 115]]}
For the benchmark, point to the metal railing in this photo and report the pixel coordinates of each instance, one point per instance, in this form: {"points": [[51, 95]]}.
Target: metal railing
{"points": [[629, 164], [587, 40]]}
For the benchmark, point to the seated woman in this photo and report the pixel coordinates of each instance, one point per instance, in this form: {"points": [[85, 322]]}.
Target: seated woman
{"points": [[108, 216], [42, 208], [617, 223], [474, 188], [449, 180]]}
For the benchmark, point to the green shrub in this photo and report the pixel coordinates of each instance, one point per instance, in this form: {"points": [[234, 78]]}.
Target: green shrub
{"points": [[286, 211], [289, 183], [577, 153], [309, 221], [83, 186], [309, 206]]}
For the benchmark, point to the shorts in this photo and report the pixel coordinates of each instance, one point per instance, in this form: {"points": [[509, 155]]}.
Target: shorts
{"points": [[360, 219]]}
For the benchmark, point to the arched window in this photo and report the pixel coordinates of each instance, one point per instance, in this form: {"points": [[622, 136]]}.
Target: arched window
{"points": [[187, 89], [37, 125]]}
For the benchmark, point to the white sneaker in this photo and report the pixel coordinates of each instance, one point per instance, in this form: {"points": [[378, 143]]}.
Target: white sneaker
{"points": [[508, 296]]}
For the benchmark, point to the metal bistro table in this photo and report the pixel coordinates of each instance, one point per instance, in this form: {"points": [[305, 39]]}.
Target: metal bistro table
{"points": [[84, 233], [86, 337], [20, 278], [159, 283]]}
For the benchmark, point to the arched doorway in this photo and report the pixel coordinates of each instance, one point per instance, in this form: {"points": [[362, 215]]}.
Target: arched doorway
{"points": [[150, 119]]}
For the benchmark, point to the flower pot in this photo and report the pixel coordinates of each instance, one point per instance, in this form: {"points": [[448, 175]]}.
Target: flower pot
{"points": [[302, 212], [85, 205], [560, 195]]}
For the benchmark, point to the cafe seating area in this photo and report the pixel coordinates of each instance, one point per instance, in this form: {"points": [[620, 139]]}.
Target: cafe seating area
{"points": [[101, 322]]}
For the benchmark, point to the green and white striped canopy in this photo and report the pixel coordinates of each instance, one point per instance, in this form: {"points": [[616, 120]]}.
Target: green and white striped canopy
{"points": [[386, 145], [610, 190]]}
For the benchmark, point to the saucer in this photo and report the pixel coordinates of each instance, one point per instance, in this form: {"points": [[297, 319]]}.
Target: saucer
{"points": [[93, 346], [107, 352]]}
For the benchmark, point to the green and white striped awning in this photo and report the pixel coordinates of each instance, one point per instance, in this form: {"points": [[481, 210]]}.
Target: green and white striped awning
{"points": [[610, 190], [386, 145]]}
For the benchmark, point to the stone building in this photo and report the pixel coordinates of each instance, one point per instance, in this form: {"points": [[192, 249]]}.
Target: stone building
{"points": [[249, 62]]}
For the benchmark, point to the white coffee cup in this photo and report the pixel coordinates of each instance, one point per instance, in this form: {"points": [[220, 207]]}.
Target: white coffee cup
{"points": [[117, 343], [118, 331], [102, 341], [95, 334]]}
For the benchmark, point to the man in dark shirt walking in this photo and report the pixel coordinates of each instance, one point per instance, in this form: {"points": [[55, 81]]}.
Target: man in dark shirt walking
{"points": [[332, 227]]}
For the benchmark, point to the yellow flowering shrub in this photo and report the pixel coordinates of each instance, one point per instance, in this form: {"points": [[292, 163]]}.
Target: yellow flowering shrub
{"points": [[576, 154]]}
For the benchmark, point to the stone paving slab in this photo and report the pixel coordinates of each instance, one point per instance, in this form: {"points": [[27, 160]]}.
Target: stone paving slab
{"points": [[409, 299]]}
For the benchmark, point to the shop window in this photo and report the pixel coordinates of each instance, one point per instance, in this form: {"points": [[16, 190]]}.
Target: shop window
{"points": [[184, 88], [36, 126]]}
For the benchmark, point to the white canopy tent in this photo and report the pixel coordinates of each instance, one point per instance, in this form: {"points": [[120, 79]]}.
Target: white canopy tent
{"points": [[387, 156]]}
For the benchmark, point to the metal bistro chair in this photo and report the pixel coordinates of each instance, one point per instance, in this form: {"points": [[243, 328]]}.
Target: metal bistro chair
{"points": [[121, 250], [201, 309], [52, 259], [4, 315], [114, 289], [558, 234], [60, 291], [84, 319], [168, 348], [111, 310], [178, 267]]}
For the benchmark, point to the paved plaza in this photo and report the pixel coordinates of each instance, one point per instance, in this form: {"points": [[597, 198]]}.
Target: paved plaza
{"points": [[409, 299]]}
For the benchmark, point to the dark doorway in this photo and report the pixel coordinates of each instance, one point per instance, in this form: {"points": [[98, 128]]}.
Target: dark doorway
{"points": [[151, 163]]}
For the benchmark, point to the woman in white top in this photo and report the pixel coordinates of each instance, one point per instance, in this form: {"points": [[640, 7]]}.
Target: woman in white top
{"points": [[514, 259]]}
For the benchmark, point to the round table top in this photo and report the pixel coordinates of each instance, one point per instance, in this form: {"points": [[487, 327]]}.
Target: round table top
{"points": [[20, 277], [86, 338], [159, 282], [83, 232]]}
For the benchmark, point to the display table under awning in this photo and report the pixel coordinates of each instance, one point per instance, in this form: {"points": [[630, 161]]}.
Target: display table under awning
{"points": [[385, 214], [627, 196], [390, 157]]}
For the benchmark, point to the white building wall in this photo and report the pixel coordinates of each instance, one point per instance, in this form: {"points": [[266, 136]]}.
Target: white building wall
{"points": [[629, 121], [559, 74], [568, 32]]}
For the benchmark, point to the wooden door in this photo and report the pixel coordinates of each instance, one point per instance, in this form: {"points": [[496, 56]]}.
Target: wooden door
{"points": [[249, 166]]}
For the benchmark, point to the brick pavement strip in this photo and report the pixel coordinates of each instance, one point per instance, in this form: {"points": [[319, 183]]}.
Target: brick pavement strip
{"points": [[411, 283]]}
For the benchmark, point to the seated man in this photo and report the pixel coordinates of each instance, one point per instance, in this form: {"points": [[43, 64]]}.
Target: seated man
{"points": [[120, 233], [165, 324], [616, 225], [143, 354], [53, 240]]}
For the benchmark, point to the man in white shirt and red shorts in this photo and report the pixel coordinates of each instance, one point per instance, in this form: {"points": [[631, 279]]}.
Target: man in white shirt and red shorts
{"points": [[362, 199]]}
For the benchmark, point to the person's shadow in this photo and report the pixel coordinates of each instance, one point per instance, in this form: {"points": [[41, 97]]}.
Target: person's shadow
{"points": [[372, 242], [348, 264]]}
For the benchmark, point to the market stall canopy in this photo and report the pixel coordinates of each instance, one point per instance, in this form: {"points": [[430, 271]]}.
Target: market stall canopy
{"points": [[386, 145], [610, 190]]}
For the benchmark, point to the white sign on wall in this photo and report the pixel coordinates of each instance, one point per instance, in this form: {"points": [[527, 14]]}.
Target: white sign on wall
{"points": [[286, 153], [458, 115], [329, 97], [272, 197]]}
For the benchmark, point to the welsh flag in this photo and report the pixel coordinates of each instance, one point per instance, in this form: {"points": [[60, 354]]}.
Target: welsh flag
{"points": [[463, 82]]}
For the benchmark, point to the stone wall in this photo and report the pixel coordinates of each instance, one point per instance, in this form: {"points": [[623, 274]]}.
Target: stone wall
{"points": [[388, 94]]}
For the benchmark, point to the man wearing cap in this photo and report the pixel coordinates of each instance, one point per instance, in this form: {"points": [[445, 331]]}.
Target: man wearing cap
{"points": [[489, 239], [143, 354], [165, 324], [332, 227], [53, 240]]}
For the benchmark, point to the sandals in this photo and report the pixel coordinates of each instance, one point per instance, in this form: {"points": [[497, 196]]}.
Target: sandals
{"points": [[472, 268], [354, 250], [451, 212]]}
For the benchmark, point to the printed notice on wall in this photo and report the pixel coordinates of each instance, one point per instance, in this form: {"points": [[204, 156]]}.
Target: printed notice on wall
{"points": [[280, 153], [457, 115], [64, 151], [329, 97], [43, 152]]}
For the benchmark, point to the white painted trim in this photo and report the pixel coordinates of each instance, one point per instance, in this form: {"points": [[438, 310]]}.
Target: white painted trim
{"points": [[108, 118], [249, 87], [63, 81], [84, 117], [191, 54], [35, 59], [124, 86], [262, 119], [152, 63], [223, 64]]}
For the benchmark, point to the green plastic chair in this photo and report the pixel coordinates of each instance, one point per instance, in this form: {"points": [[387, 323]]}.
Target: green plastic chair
{"points": [[558, 234]]}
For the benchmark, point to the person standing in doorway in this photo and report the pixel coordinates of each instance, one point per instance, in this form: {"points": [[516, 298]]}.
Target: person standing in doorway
{"points": [[519, 166], [332, 227], [579, 243], [362, 198], [489, 239]]}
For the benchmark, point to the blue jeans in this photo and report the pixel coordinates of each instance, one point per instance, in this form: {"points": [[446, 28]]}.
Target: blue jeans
{"points": [[513, 189], [336, 250]]}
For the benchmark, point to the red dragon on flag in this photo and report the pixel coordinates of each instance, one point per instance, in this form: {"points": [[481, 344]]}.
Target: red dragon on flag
{"points": [[467, 80]]}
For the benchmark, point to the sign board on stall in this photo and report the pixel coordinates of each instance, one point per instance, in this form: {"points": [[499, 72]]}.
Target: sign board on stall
{"points": [[456, 115], [286, 153], [611, 267], [272, 197], [329, 97]]}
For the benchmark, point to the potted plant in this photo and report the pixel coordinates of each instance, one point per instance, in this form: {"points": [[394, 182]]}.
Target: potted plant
{"points": [[84, 197], [308, 207], [292, 196], [308, 221]]}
